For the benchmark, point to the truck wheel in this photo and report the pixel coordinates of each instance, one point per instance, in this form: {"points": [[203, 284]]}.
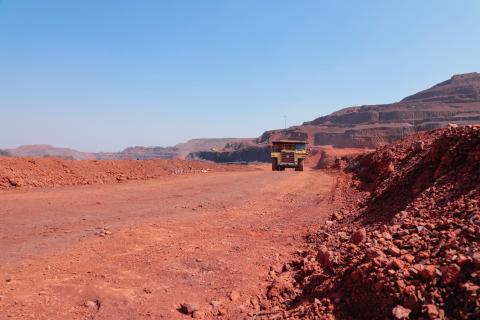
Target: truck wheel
{"points": [[281, 168], [299, 166], [274, 164]]}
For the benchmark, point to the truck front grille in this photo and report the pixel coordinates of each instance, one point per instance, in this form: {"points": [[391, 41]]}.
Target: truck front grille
{"points": [[288, 157]]}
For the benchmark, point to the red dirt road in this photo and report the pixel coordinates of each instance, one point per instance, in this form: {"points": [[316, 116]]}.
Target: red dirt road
{"points": [[193, 238]]}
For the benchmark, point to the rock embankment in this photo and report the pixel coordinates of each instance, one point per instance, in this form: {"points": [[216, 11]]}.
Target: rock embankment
{"points": [[18, 173], [410, 250]]}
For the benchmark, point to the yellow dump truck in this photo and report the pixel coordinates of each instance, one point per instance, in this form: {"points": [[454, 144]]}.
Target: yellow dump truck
{"points": [[288, 154]]}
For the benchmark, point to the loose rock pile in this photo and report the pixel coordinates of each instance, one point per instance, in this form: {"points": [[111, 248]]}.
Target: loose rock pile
{"points": [[18, 173], [410, 250]]}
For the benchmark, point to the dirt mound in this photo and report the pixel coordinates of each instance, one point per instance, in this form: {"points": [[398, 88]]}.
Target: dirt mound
{"points": [[328, 157], [410, 250], [50, 172]]}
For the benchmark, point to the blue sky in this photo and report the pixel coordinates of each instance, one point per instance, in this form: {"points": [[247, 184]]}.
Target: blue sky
{"points": [[103, 75]]}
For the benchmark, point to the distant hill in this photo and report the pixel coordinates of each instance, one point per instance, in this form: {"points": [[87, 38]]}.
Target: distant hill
{"points": [[43, 150], [456, 100], [181, 151], [140, 153], [462, 88]]}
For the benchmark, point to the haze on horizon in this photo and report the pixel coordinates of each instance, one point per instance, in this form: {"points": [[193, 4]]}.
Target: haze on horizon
{"points": [[104, 75]]}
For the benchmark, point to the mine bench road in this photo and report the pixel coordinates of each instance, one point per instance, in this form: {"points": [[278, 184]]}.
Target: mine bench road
{"points": [[143, 247]]}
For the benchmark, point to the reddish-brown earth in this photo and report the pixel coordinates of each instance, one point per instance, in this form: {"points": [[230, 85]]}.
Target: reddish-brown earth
{"points": [[409, 249], [137, 250], [397, 236], [50, 172]]}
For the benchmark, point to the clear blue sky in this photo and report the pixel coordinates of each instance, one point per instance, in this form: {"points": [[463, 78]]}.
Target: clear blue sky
{"points": [[105, 74]]}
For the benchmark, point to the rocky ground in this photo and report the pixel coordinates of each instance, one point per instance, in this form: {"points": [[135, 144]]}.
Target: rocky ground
{"points": [[394, 235], [18, 173], [172, 247], [408, 249]]}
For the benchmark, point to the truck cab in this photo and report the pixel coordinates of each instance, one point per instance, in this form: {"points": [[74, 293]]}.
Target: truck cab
{"points": [[288, 154]]}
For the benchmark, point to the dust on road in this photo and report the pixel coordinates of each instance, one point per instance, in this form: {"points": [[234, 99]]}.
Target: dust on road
{"points": [[138, 250]]}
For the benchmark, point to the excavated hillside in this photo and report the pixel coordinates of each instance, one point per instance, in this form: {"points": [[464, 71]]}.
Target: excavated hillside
{"points": [[456, 100], [244, 151], [409, 250]]}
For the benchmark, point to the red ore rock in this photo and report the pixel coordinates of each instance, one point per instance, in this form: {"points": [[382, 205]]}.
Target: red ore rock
{"points": [[359, 236], [390, 167], [409, 258], [471, 288], [400, 312], [451, 274], [325, 257], [463, 260], [188, 308], [476, 259], [394, 251], [386, 235], [397, 264], [373, 253], [428, 272], [434, 312]]}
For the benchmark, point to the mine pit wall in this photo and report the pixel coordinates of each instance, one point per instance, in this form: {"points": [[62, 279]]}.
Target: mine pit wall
{"points": [[287, 134], [248, 154], [369, 138], [419, 115], [357, 118]]}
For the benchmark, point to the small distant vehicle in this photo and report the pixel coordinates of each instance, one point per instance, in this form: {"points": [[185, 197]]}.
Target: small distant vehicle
{"points": [[288, 154]]}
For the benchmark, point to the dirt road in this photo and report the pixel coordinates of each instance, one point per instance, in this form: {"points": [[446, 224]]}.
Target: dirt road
{"points": [[139, 249]]}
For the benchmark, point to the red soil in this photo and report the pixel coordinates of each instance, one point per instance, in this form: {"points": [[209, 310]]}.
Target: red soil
{"points": [[139, 250], [411, 249], [50, 172], [404, 243]]}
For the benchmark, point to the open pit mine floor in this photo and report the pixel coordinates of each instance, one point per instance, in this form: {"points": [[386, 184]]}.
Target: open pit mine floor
{"points": [[137, 250]]}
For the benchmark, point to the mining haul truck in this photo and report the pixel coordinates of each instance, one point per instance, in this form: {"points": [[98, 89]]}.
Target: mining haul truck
{"points": [[288, 154]]}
